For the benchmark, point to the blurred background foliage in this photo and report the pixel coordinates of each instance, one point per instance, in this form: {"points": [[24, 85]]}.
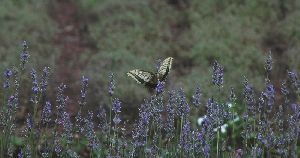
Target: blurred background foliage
{"points": [[97, 37]]}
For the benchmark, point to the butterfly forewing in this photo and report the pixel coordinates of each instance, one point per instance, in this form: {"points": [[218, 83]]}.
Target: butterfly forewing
{"points": [[142, 77], [164, 68]]}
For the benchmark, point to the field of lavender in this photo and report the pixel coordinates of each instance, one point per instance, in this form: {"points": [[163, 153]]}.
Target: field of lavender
{"points": [[259, 125]]}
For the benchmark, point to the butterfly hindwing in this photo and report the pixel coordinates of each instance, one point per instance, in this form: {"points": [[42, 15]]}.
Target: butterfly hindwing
{"points": [[142, 77], [164, 68]]}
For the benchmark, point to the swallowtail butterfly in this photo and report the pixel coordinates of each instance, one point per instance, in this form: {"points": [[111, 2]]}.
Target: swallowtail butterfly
{"points": [[150, 79]]}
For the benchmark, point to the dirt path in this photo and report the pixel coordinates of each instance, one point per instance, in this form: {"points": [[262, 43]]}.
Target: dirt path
{"points": [[71, 37]]}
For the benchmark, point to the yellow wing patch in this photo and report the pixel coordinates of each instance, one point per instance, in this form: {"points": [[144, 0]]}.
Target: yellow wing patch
{"points": [[150, 79], [141, 76], [164, 68]]}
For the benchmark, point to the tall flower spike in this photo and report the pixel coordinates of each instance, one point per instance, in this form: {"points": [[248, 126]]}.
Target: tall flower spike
{"points": [[24, 55], [269, 93], [232, 96], [116, 109], [90, 134], [268, 62], [183, 107], [218, 74], [197, 97], [20, 154], [35, 86], [160, 87], [83, 91], [7, 74], [61, 98], [116, 105], [112, 84], [67, 127], [46, 113], [44, 80]]}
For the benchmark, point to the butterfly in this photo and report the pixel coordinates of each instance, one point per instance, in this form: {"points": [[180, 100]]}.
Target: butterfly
{"points": [[151, 79]]}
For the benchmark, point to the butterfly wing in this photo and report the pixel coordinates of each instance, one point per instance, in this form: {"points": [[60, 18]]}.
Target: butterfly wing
{"points": [[164, 68], [143, 77]]}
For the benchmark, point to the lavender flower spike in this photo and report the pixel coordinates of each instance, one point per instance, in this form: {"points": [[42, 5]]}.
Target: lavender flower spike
{"points": [[218, 74], [83, 91], [24, 55], [112, 85], [196, 97]]}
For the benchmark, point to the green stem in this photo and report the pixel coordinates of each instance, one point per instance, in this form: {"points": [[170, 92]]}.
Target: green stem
{"points": [[218, 136]]}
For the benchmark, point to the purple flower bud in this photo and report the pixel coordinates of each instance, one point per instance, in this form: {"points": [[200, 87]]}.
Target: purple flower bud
{"points": [[196, 97], [29, 122], [35, 86], [232, 96], [83, 91], [268, 62], [116, 119], [218, 74], [90, 134], [45, 77], [269, 93], [293, 77], [101, 117], [46, 113], [8, 73], [185, 138], [160, 87], [112, 85], [20, 154], [284, 89], [61, 98], [67, 127], [24, 55], [116, 105]]}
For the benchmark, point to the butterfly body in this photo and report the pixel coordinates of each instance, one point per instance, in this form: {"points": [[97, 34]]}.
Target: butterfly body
{"points": [[150, 79]]}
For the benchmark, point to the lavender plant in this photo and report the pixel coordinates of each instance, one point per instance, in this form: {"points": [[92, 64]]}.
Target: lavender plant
{"points": [[164, 125]]}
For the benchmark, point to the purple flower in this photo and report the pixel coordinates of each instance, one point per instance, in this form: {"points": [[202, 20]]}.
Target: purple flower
{"points": [[249, 96], [116, 119], [20, 154], [67, 127], [284, 89], [101, 116], [112, 84], [90, 134], [218, 74], [160, 87], [24, 55], [232, 96], [35, 86], [46, 113], [170, 124], [256, 152], [293, 77], [28, 151], [268, 62], [296, 109], [61, 98], [269, 93], [83, 91], [116, 105], [79, 122], [29, 122], [183, 107], [45, 77], [196, 97], [7, 74], [58, 148], [185, 138]]}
